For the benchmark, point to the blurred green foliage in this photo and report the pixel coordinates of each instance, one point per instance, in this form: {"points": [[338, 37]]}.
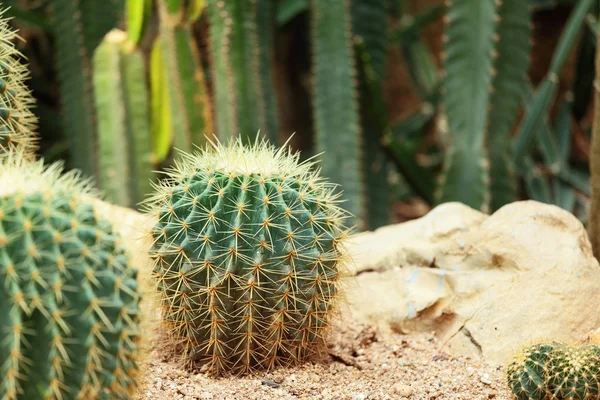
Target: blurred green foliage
{"points": [[477, 130]]}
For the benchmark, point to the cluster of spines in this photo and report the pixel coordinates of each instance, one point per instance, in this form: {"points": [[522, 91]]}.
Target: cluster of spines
{"points": [[17, 122], [248, 262], [556, 371], [68, 297]]}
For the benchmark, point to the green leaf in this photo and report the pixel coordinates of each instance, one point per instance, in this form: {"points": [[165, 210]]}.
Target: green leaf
{"points": [[135, 19], [174, 6], [584, 75], [411, 26], [536, 183], [422, 67], [289, 9], [162, 131], [536, 112], [195, 9], [567, 38], [564, 129]]}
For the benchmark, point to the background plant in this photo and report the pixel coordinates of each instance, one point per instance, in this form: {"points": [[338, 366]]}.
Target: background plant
{"points": [[403, 108]]}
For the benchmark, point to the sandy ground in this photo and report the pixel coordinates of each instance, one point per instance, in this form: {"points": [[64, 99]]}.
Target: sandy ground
{"points": [[362, 364]]}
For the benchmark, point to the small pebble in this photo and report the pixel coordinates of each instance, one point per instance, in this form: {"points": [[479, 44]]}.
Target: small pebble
{"points": [[485, 379], [270, 383], [359, 396], [402, 390]]}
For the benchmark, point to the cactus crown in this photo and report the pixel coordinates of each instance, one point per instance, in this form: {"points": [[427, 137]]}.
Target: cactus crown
{"points": [[69, 300], [21, 175], [248, 255], [17, 122]]}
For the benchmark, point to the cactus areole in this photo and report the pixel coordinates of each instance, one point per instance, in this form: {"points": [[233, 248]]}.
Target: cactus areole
{"points": [[248, 256], [68, 297]]}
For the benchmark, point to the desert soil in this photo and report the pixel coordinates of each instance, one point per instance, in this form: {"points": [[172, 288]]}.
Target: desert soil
{"points": [[362, 364]]}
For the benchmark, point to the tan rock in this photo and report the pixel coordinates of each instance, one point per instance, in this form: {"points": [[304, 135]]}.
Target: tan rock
{"points": [[485, 285]]}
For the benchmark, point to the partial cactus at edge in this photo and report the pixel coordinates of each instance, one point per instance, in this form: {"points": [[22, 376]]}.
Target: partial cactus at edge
{"points": [[17, 122], [556, 371], [68, 296], [248, 252]]}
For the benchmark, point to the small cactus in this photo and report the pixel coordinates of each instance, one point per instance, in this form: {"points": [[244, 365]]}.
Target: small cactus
{"points": [[556, 371], [17, 122], [248, 256], [68, 297]]}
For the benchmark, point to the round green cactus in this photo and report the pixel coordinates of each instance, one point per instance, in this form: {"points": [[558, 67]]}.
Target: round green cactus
{"points": [[17, 122], [69, 302], [248, 256], [556, 371]]}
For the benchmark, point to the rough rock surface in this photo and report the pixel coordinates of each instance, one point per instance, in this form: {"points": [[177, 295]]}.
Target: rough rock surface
{"points": [[485, 284]]}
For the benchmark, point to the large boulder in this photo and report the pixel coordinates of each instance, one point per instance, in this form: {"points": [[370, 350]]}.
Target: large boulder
{"points": [[485, 284]]}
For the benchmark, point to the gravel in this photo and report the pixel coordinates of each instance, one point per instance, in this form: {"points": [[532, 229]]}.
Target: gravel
{"points": [[362, 364]]}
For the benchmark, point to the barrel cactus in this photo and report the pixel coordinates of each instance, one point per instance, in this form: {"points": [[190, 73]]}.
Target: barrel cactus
{"points": [[556, 371], [17, 122], [248, 250], [69, 302]]}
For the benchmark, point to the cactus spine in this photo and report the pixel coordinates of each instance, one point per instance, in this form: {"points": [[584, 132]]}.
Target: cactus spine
{"points": [[248, 256], [68, 297], [556, 370], [17, 122]]}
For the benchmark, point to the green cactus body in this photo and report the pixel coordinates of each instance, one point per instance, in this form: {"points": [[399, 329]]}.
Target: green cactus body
{"points": [[556, 371], [526, 375], [369, 23], [335, 102], [241, 42], [17, 122], [573, 373], [68, 298], [248, 256], [123, 121], [79, 27]]}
